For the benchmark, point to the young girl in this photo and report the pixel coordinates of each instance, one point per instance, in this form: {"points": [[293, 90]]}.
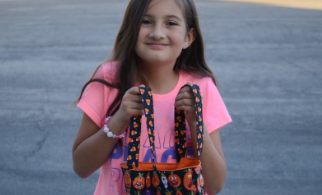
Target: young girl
{"points": [[159, 45]]}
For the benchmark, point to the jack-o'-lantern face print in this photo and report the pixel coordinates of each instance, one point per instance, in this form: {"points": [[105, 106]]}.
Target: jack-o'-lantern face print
{"points": [[127, 179], [155, 180], [174, 180], [139, 182], [148, 180]]}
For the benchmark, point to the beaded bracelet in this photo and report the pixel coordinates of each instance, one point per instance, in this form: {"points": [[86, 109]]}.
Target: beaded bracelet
{"points": [[108, 132]]}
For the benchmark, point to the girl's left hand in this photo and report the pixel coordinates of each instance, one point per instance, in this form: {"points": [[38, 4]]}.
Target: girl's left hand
{"points": [[185, 101]]}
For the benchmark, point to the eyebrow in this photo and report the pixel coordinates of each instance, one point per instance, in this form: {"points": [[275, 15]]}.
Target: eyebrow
{"points": [[167, 16]]}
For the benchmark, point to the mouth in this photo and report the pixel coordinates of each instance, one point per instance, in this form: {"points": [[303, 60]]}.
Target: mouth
{"points": [[157, 45]]}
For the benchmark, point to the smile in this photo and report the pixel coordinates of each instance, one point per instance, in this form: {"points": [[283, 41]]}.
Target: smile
{"points": [[157, 45]]}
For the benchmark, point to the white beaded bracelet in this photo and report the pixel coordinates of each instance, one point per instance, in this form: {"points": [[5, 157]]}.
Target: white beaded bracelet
{"points": [[108, 132]]}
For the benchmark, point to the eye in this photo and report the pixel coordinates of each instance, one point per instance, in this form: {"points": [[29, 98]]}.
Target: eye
{"points": [[146, 22], [172, 23]]}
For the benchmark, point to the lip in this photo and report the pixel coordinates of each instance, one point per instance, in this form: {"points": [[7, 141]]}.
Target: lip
{"points": [[157, 45]]}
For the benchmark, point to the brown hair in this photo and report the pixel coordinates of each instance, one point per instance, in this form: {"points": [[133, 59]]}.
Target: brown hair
{"points": [[191, 60]]}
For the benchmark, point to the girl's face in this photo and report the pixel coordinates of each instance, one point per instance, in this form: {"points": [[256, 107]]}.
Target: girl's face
{"points": [[162, 34]]}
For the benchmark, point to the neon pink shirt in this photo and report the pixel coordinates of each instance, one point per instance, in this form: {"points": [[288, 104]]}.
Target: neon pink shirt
{"points": [[97, 98]]}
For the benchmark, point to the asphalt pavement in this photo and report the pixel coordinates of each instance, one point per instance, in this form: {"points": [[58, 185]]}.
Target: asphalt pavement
{"points": [[268, 61]]}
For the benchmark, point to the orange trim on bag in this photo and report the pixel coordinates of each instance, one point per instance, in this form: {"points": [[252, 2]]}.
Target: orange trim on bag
{"points": [[183, 164]]}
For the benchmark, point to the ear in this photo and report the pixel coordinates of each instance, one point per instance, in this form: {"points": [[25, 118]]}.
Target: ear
{"points": [[190, 37]]}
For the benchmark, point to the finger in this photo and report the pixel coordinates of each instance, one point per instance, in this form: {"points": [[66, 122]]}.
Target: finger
{"points": [[137, 106], [134, 91], [184, 95], [135, 112], [184, 102], [133, 98], [186, 108]]}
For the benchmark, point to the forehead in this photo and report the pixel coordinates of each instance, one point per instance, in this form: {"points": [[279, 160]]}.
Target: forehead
{"points": [[164, 7]]}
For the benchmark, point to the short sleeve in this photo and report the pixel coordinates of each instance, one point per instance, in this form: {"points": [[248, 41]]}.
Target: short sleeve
{"points": [[97, 96], [215, 113]]}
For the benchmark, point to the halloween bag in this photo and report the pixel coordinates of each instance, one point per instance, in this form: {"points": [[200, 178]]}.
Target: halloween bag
{"points": [[151, 178]]}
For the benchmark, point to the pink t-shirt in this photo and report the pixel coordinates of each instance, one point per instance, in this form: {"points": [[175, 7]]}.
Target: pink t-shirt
{"points": [[97, 98]]}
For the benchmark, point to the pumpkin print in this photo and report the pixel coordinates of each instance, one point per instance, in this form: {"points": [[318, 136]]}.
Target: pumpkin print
{"points": [[158, 191], [167, 192], [193, 191], [139, 182], [178, 191], [174, 180], [148, 180], [187, 180], [155, 180], [127, 179]]}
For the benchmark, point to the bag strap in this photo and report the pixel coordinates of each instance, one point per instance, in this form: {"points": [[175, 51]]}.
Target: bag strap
{"points": [[180, 126], [135, 129]]}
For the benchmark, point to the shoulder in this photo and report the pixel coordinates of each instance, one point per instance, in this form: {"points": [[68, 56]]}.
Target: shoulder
{"points": [[107, 71], [204, 82]]}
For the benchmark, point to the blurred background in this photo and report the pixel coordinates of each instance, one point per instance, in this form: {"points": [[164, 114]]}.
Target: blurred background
{"points": [[267, 55]]}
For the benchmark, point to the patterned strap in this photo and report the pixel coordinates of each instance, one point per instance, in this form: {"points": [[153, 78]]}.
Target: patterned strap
{"points": [[180, 126], [135, 129]]}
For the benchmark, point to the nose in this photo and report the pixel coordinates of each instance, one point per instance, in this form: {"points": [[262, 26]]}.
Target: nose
{"points": [[157, 32]]}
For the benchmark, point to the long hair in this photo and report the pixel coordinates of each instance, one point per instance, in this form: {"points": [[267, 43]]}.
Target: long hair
{"points": [[191, 60]]}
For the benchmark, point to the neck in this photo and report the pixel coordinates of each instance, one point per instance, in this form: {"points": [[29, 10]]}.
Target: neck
{"points": [[160, 77]]}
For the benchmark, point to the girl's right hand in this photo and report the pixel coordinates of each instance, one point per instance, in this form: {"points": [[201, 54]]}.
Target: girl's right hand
{"points": [[131, 105]]}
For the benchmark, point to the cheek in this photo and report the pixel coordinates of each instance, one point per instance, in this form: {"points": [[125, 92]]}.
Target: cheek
{"points": [[178, 37], [142, 34]]}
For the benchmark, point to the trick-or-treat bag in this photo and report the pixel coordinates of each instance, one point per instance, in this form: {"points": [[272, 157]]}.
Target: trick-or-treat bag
{"points": [[151, 178]]}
